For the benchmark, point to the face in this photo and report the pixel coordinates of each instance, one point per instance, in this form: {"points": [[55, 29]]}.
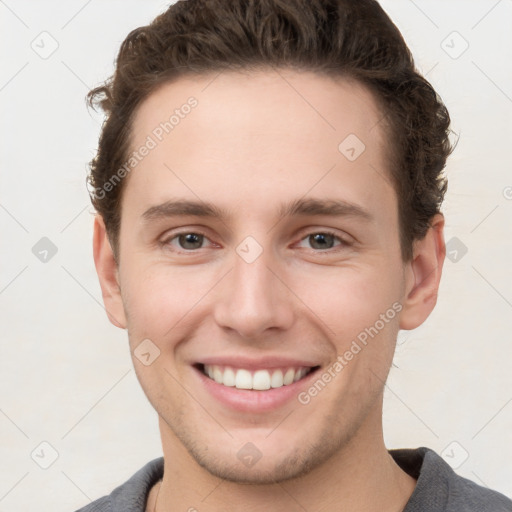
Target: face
{"points": [[259, 244]]}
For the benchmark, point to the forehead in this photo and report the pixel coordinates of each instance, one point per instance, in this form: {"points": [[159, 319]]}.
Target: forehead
{"points": [[263, 101], [261, 134]]}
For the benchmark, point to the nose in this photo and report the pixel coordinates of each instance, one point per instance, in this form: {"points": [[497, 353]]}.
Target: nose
{"points": [[254, 298]]}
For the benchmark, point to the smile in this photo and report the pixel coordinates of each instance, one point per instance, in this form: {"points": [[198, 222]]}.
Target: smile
{"points": [[259, 380]]}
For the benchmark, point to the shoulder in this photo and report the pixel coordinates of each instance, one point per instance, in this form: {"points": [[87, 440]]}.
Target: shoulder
{"points": [[439, 488], [100, 505], [469, 496], [131, 496]]}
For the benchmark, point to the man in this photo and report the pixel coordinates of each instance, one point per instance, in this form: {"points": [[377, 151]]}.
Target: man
{"points": [[268, 186]]}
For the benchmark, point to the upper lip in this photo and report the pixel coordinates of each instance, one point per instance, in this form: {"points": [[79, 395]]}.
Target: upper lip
{"points": [[260, 363]]}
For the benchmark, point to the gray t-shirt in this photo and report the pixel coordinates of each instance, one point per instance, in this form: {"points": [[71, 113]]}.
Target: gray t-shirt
{"points": [[438, 487]]}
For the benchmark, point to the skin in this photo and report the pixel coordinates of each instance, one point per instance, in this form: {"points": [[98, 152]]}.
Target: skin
{"points": [[253, 142]]}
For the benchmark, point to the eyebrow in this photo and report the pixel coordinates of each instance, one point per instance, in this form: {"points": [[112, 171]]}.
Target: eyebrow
{"points": [[298, 207]]}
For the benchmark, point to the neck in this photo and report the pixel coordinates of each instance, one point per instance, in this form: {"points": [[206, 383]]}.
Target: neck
{"points": [[361, 475]]}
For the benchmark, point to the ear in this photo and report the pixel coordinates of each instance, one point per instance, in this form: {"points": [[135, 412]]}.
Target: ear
{"points": [[423, 274], [107, 270]]}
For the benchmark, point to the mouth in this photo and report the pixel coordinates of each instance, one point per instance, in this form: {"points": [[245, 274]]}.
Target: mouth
{"points": [[262, 379]]}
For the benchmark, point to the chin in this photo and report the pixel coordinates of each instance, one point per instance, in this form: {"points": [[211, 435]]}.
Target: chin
{"points": [[266, 466]]}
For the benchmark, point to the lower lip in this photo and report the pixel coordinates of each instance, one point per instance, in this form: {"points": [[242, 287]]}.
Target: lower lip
{"points": [[247, 400]]}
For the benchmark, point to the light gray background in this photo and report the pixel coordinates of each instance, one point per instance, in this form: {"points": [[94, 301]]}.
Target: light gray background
{"points": [[66, 377]]}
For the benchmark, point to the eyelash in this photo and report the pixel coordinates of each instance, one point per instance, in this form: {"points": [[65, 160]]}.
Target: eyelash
{"points": [[343, 243]]}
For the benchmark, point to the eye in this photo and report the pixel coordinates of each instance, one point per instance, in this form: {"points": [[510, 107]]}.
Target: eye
{"points": [[191, 241], [187, 240], [324, 240]]}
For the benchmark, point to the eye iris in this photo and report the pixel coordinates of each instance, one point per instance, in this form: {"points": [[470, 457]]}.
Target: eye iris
{"points": [[321, 238], [191, 238]]}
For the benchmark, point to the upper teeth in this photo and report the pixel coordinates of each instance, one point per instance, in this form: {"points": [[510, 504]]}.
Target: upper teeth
{"points": [[260, 379]]}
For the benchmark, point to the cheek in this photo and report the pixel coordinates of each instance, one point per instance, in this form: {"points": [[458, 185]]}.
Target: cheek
{"points": [[349, 298], [160, 300], [152, 302]]}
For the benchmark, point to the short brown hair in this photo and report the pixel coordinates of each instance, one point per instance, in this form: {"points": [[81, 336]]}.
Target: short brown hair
{"points": [[346, 38]]}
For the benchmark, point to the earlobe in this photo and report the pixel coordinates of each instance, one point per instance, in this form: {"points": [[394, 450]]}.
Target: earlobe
{"points": [[423, 275], [107, 270]]}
